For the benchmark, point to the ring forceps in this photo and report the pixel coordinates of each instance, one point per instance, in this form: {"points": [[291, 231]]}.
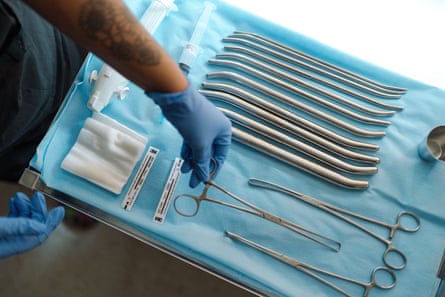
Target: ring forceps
{"points": [[188, 205], [311, 270], [341, 214]]}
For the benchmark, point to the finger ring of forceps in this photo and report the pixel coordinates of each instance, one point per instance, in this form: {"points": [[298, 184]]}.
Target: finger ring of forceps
{"points": [[342, 214], [312, 270], [188, 205]]}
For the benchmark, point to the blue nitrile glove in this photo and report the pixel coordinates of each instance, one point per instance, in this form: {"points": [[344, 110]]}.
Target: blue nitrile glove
{"points": [[28, 224], [206, 131]]}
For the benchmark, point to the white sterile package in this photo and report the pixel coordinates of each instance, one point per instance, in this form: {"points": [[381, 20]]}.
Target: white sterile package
{"points": [[105, 153]]}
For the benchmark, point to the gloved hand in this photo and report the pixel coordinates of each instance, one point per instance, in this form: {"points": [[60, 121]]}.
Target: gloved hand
{"points": [[28, 224], [206, 131]]}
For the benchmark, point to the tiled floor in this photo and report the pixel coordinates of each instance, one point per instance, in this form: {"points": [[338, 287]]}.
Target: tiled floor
{"points": [[101, 262]]}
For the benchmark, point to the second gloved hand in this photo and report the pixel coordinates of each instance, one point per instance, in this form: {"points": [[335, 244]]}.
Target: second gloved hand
{"points": [[206, 130], [28, 224]]}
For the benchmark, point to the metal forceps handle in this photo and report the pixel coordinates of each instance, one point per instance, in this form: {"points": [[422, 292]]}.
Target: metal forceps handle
{"points": [[308, 269], [254, 210], [191, 207], [311, 270], [341, 214], [399, 225], [390, 249], [188, 205]]}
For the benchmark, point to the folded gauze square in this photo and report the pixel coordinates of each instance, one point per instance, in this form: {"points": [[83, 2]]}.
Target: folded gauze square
{"points": [[105, 153]]}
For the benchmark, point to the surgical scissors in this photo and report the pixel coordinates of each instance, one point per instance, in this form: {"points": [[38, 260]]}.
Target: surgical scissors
{"points": [[188, 209], [311, 270], [340, 213]]}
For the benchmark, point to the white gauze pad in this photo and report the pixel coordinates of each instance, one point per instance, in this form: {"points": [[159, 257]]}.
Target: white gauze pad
{"points": [[105, 153]]}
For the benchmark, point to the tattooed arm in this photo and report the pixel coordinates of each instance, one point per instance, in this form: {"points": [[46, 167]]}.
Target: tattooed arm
{"points": [[109, 29], [112, 32]]}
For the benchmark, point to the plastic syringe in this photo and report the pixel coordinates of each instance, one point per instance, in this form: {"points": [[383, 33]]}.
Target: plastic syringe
{"points": [[155, 13], [109, 82], [192, 48]]}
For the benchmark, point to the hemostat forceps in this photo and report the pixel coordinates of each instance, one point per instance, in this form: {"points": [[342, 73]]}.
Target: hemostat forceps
{"points": [[186, 209], [311, 270], [341, 214]]}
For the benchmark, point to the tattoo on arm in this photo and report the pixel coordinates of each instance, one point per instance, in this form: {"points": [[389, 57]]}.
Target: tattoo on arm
{"points": [[113, 26]]}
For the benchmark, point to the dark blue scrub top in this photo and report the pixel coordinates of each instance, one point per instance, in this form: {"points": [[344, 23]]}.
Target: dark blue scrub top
{"points": [[37, 67]]}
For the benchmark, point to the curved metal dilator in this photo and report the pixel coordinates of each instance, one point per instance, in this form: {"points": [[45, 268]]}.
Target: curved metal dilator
{"points": [[324, 67], [313, 111], [297, 161], [275, 71], [248, 103], [290, 126], [297, 145], [305, 94], [310, 76]]}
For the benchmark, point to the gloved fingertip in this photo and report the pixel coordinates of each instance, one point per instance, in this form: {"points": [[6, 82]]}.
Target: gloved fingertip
{"points": [[39, 198], [13, 211], [58, 211], [55, 217], [20, 205], [203, 171], [186, 166], [200, 174], [20, 195], [39, 208], [194, 180]]}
